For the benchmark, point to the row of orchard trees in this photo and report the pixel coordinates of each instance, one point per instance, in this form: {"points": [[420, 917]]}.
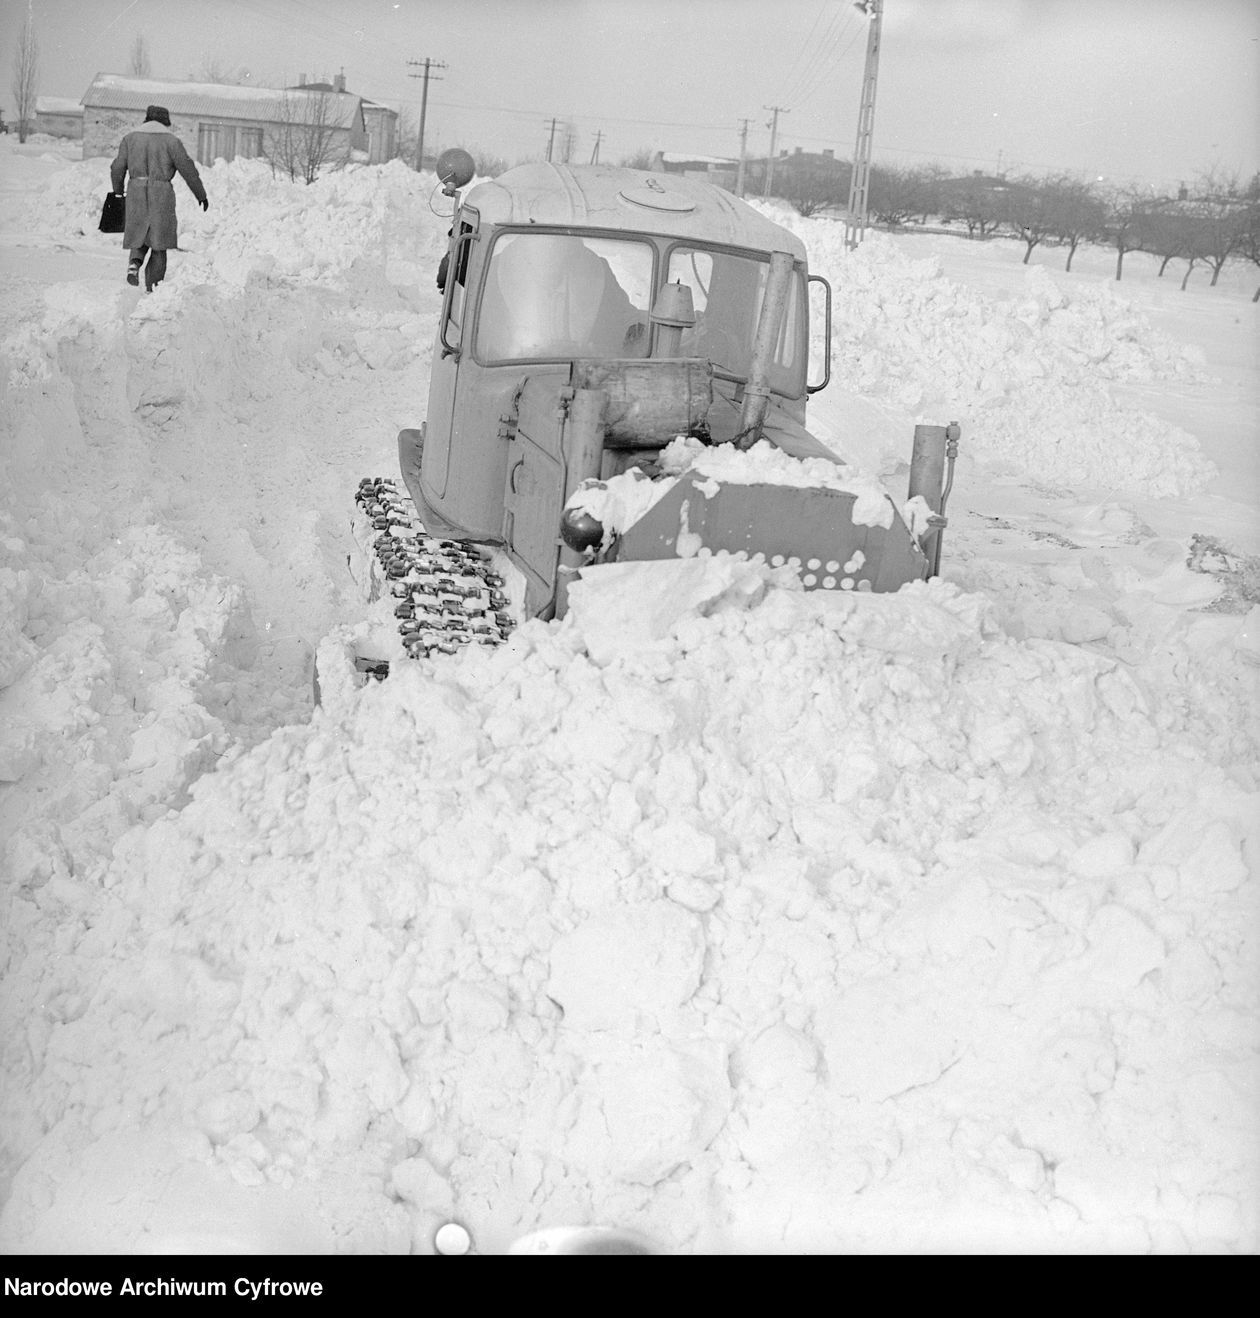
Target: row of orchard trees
{"points": [[1214, 220]]}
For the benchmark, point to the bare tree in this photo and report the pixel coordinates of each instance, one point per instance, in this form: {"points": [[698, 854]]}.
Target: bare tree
{"points": [[1129, 225], [139, 57], [640, 159], [982, 204], [488, 165], [896, 195], [407, 136], [26, 77], [214, 70], [306, 137], [1032, 214], [929, 183], [1221, 215], [811, 187], [1077, 212], [1169, 232], [1249, 239]]}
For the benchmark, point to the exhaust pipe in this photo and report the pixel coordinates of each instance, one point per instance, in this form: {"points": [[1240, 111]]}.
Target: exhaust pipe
{"points": [[757, 390], [935, 447]]}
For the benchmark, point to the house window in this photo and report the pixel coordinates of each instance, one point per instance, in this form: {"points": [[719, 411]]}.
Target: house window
{"points": [[250, 143]]}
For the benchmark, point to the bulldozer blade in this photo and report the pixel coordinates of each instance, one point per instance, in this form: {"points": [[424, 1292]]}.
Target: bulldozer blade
{"points": [[808, 528]]}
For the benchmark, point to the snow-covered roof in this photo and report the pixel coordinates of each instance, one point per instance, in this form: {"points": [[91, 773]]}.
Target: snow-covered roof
{"points": [[57, 105], [681, 158], [606, 196], [223, 100]]}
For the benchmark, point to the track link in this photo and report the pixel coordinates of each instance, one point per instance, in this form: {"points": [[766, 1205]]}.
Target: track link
{"points": [[445, 594]]}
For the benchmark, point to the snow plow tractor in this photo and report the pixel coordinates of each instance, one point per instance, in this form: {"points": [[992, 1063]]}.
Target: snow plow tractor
{"points": [[620, 373]]}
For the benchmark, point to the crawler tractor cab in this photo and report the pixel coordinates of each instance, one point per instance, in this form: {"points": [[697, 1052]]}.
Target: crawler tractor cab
{"points": [[592, 315]]}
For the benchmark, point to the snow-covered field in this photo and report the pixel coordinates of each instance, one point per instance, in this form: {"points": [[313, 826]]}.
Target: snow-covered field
{"points": [[807, 923]]}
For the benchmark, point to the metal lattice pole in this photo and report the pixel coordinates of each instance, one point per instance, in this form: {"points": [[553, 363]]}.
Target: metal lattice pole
{"points": [[855, 225]]}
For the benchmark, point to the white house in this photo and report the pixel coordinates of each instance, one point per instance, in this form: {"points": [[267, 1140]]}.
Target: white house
{"points": [[213, 120]]}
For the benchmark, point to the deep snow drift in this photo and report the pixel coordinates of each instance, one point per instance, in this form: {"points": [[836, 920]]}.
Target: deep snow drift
{"points": [[750, 919]]}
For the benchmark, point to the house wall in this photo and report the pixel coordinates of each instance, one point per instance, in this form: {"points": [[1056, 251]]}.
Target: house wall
{"points": [[206, 137], [382, 131], [59, 125]]}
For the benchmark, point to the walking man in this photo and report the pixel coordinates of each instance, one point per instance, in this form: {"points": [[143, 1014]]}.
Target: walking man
{"points": [[149, 158]]}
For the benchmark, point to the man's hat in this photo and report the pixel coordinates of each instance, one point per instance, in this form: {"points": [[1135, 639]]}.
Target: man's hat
{"points": [[158, 114]]}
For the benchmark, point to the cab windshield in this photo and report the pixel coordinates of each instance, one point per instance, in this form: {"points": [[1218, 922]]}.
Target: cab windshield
{"points": [[727, 291], [560, 295], [564, 295]]}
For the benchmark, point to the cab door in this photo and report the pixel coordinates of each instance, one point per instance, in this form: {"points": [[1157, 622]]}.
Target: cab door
{"points": [[447, 351]]}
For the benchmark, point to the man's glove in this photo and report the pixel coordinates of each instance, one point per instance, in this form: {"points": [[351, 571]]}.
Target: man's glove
{"points": [[205, 203]]}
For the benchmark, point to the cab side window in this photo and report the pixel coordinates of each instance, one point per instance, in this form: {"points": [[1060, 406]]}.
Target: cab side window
{"points": [[456, 312]]}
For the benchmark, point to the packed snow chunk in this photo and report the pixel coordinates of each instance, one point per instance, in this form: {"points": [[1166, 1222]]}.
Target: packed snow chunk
{"points": [[158, 1190], [1122, 949], [625, 966], [647, 1105], [924, 619], [617, 608], [884, 1037]]}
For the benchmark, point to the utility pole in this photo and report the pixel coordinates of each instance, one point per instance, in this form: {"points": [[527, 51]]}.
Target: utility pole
{"points": [[551, 137], [773, 126], [855, 224], [424, 102], [743, 152], [599, 133]]}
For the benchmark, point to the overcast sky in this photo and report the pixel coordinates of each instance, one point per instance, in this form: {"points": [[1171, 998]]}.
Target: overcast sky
{"points": [[1128, 89]]}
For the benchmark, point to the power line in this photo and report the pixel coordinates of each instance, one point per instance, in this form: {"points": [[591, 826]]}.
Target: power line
{"points": [[601, 118], [826, 68], [808, 45], [821, 61]]}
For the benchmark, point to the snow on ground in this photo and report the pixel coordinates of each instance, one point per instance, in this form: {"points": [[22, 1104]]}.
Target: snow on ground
{"points": [[750, 919]]}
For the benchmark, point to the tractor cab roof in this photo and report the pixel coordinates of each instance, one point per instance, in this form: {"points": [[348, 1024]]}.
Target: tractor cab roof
{"points": [[609, 197]]}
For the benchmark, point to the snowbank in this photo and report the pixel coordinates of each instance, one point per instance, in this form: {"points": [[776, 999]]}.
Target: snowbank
{"points": [[1028, 378], [751, 919], [827, 897]]}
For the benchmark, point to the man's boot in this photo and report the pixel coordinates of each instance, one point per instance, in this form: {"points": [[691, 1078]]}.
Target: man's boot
{"points": [[133, 271]]}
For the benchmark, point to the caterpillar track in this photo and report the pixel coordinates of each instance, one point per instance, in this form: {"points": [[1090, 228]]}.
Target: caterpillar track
{"points": [[446, 594]]}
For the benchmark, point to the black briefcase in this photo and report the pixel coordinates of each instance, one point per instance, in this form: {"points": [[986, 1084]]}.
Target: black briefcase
{"points": [[114, 213]]}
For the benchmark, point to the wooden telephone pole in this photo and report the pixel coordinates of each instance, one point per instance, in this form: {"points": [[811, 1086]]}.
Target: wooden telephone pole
{"points": [[773, 126], [855, 224], [743, 153], [428, 64], [599, 134]]}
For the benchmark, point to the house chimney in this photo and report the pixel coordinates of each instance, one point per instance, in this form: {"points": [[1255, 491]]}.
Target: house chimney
{"points": [[796, 151], [339, 82], [829, 152]]}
